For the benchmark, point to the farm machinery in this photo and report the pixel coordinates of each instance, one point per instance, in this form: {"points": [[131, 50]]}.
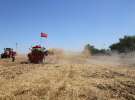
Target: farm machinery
{"points": [[37, 54], [8, 53]]}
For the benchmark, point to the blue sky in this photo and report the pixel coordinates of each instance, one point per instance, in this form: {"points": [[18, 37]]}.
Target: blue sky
{"points": [[70, 23]]}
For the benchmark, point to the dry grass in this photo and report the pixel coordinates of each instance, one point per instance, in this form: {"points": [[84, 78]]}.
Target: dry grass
{"points": [[68, 78]]}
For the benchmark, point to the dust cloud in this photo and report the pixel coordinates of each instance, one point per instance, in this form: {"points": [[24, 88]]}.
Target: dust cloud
{"points": [[113, 59]]}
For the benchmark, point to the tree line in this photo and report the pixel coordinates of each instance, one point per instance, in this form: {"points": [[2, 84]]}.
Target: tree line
{"points": [[124, 45]]}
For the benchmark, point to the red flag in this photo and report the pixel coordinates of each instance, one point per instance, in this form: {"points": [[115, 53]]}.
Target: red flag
{"points": [[44, 35]]}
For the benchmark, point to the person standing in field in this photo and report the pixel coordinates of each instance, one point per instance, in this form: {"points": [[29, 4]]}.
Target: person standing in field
{"points": [[13, 55]]}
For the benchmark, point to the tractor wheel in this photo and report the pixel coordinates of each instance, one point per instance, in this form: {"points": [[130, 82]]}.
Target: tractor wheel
{"points": [[2, 56]]}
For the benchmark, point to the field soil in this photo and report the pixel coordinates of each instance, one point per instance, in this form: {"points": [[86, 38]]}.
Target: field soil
{"points": [[68, 78]]}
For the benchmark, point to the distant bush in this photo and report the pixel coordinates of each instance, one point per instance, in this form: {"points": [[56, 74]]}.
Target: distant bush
{"points": [[91, 50]]}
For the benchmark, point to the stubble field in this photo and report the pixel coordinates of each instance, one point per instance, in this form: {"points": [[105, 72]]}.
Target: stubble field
{"points": [[68, 78]]}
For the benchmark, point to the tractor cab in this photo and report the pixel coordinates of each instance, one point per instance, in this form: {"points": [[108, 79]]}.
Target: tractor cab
{"points": [[7, 53]]}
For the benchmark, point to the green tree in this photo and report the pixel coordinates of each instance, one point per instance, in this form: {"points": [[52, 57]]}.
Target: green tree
{"points": [[125, 44]]}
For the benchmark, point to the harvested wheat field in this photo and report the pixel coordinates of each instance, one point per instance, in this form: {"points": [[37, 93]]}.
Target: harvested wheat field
{"points": [[71, 78]]}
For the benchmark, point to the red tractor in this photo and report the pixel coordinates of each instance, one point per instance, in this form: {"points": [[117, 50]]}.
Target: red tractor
{"points": [[8, 52], [37, 54]]}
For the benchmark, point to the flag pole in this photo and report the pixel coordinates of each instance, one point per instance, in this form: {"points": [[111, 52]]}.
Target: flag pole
{"points": [[16, 47], [40, 39], [46, 39], [44, 35]]}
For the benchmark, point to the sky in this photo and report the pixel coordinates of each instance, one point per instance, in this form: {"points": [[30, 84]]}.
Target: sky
{"points": [[70, 24]]}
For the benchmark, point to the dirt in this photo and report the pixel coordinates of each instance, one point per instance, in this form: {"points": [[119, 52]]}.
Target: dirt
{"points": [[67, 78]]}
